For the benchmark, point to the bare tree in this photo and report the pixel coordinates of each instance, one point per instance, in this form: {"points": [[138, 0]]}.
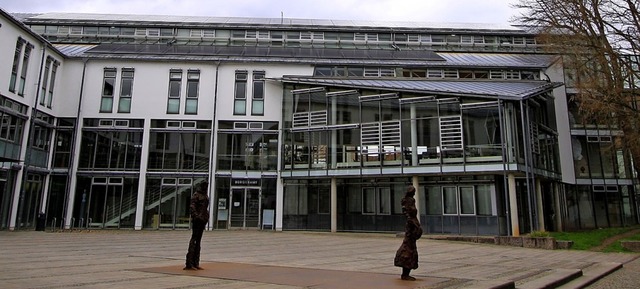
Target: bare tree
{"points": [[599, 41]]}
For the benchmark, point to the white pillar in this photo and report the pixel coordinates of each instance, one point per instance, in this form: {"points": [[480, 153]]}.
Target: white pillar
{"points": [[556, 210], [513, 206], [541, 226], [334, 205], [416, 185], [142, 181], [279, 203]]}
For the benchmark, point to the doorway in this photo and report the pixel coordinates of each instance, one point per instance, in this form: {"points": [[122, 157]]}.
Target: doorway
{"points": [[245, 208]]}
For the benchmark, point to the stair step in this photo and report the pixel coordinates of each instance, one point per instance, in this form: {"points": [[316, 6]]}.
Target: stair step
{"points": [[552, 279], [592, 274]]}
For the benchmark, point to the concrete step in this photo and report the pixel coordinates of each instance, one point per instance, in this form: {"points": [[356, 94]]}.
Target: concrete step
{"points": [[550, 279], [592, 274]]}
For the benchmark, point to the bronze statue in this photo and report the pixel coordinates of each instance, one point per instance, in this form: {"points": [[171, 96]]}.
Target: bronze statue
{"points": [[407, 254], [199, 210]]}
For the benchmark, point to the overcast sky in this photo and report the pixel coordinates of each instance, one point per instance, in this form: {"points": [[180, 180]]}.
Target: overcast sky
{"points": [[469, 11]]}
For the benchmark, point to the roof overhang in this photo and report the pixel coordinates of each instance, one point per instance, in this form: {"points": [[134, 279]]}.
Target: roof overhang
{"points": [[507, 90]]}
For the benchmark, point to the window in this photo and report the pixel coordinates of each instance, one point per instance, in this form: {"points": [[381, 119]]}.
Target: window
{"points": [[240, 94], [467, 201], [108, 86], [126, 89], [193, 81], [450, 200], [52, 83], [16, 65], [25, 66], [175, 84], [435, 73], [45, 77], [257, 102], [376, 201]]}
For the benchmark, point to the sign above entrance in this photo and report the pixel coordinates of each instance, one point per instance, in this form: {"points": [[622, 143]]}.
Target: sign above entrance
{"points": [[245, 182]]}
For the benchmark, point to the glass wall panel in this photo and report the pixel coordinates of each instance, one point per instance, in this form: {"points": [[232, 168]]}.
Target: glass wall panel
{"points": [[434, 200], [482, 132], [450, 200]]}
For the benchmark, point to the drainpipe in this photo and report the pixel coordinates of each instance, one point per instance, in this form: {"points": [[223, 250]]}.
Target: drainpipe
{"points": [[213, 208], [69, 200]]}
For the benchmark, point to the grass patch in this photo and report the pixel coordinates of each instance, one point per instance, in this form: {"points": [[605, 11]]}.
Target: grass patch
{"points": [[585, 240]]}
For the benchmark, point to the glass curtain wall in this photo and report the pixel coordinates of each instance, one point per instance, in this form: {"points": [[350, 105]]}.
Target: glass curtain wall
{"points": [[167, 201], [246, 146], [105, 202]]}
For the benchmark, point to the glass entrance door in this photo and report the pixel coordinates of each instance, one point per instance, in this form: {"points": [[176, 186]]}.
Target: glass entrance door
{"points": [[245, 208]]}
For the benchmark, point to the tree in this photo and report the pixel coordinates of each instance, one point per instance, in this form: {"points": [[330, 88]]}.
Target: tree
{"points": [[599, 41]]}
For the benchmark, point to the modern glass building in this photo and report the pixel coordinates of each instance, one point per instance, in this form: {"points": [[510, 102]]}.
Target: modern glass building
{"points": [[297, 124]]}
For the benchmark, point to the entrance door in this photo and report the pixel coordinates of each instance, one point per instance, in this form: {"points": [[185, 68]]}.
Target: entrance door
{"points": [[245, 208]]}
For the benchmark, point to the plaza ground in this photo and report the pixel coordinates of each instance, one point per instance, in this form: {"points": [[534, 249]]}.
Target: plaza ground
{"points": [[267, 259]]}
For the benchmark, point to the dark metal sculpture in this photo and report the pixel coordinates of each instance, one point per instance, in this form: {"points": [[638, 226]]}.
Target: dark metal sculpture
{"points": [[199, 210], [407, 254]]}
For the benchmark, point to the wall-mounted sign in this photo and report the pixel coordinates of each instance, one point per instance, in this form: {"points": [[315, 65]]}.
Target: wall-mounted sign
{"points": [[245, 182]]}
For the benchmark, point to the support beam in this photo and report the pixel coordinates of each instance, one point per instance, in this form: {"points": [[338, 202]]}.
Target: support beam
{"points": [[513, 206], [334, 205], [416, 184], [540, 211]]}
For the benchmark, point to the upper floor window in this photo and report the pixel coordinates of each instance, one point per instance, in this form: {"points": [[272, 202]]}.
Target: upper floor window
{"points": [[25, 66], [45, 78], [257, 101], [193, 81], [240, 93], [16, 65], [126, 90], [175, 87], [108, 86]]}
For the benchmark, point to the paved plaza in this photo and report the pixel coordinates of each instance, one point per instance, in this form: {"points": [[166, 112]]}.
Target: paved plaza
{"points": [[268, 259]]}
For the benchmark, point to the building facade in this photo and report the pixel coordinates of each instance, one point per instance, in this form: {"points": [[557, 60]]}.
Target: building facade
{"points": [[297, 124]]}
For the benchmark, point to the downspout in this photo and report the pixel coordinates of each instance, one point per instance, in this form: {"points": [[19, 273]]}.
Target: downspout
{"points": [[213, 209], [27, 156], [67, 213]]}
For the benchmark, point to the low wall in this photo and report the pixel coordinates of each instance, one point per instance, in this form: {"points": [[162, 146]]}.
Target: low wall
{"points": [[547, 243], [633, 246]]}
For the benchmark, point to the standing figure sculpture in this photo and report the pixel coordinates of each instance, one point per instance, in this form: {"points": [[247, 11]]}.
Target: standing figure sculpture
{"points": [[407, 254], [199, 210]]}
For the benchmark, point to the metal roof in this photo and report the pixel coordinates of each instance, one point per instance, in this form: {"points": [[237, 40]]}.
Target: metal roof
{"points": [[497, 59], [306, 55], [509, 90], [257, 21], [74, 49]]}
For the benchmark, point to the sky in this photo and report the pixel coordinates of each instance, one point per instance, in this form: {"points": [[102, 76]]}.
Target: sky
{"points": [[465, 11]]}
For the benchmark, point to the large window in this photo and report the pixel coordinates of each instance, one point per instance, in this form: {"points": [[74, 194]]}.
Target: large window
{"points": [[43, 89], [257, 101], [247, 146], [126, 90], [240, 93], [108, 86], [63, 143], [376, 201], [175, 87], [111, 144], [16, 64], [25, 66], [48, 82], [52, 82], [179, 146], [461, 200], [193, 81]]}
